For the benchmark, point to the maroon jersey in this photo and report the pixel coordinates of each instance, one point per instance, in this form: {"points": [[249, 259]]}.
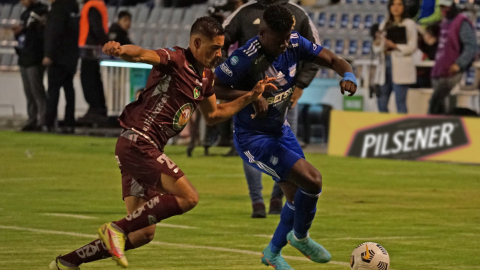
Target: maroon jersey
{"points": [[174, 89]]}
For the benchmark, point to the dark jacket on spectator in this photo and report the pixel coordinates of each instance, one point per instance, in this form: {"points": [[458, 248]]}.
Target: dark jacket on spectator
{"points": [[61, 34], [243, 25], [30, 40], [116, 33]]}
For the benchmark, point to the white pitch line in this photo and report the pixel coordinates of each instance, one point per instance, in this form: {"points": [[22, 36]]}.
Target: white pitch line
{"points": [[175, 226], [69, 216], [248, 252], [356, 238]]}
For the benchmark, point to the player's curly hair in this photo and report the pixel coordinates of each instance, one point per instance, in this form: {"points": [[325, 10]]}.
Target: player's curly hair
{"points": [[278, 18], [207, 26]]}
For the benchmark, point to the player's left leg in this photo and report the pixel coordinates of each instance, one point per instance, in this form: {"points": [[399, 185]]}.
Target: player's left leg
{"points": [[96, 250]]}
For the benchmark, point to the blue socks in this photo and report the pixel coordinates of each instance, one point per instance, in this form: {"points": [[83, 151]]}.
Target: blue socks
{"points": [[306, 207], [279, 239]]}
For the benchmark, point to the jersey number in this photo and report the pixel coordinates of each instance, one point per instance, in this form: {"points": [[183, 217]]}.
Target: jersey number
{"points": [[163, 158]]}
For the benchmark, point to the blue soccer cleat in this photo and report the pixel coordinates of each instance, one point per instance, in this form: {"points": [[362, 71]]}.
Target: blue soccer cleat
{"points": [[309, 248], [275, 260]]}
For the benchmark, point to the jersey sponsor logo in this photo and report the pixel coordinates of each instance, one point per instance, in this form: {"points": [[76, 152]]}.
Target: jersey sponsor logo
{"points": [[280, 98], [224, 67], [257, 21], [410, 138], [182, 116], [161, 90], [171, 49], [234, 60], [292, 70], [196, 92], [259, 59], [294, 45]]}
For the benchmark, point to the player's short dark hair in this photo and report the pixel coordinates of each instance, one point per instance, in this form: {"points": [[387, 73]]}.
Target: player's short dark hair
{"points": [[278, 18], [124, 13], [207, 26]]}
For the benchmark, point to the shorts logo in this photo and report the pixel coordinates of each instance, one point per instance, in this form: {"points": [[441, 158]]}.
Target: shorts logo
{"points": [[196, 92], [226, 70], [274, 160], [292, 70], [171, 49], [234, 60], [182, 116]]}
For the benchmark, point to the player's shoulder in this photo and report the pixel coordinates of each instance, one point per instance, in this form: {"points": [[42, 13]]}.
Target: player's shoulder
{"points": [[248, 52], [295, 39]]}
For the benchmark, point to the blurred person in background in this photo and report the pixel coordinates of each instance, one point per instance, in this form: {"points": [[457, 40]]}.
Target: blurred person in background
{"points": [[61, 57], [429, 12], [457, 47], [119, 31], [241, 26], [93, 34], [396, 70], [427, 43], [30, 34]]}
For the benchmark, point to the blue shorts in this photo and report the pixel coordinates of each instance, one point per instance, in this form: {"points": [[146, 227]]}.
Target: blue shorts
{"points": [[274, 155]]}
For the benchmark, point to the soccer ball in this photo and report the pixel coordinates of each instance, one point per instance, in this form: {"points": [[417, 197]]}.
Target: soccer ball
{"points": [[369, 256]]}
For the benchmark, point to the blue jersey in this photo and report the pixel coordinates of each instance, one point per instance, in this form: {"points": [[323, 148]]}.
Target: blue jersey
{"points": [[249, 64]]}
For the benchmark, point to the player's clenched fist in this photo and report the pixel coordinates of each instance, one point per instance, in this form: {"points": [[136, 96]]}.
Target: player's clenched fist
{"points": [[263, 85], [348, 86], [112, 48]]}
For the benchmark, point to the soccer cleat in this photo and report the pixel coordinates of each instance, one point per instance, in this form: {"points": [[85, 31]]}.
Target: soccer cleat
{"points": [[56, 265], [274, 260], [115, 242], [309, 248]]}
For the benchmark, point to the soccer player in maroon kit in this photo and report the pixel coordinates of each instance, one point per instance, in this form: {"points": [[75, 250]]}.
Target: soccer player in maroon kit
{"points": [[154, 187]]}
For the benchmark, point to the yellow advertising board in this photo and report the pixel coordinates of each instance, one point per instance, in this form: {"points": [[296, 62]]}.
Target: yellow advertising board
{"points": [[412, 137]]}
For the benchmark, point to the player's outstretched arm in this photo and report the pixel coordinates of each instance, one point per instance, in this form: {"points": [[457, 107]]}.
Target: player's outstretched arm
{"points": [[328, 59], [216, 113], [225, 92], [131, 53]]}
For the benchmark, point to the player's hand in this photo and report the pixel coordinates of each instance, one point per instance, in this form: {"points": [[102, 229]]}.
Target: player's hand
{"points": [[296, 96], [263, 85], [112, 48], [261, 107], [348, 86]]}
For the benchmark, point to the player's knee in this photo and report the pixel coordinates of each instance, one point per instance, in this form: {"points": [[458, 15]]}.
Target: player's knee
{"points": [[315, 182], [190, 201]]}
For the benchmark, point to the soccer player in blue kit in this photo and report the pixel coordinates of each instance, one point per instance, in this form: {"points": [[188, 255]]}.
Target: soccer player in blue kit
{"points": [[266, 141]]}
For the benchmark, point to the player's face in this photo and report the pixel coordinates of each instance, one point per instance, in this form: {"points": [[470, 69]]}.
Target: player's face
{"points": [[210, 51], [274, 43]]}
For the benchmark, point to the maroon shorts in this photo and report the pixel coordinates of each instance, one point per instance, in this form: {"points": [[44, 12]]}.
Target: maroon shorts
{"points": [[142, 165]]}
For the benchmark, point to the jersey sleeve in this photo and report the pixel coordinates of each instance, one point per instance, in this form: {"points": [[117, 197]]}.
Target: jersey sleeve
{"points": [[209, 90], [308, 50], [234, 69], [168, 56]]}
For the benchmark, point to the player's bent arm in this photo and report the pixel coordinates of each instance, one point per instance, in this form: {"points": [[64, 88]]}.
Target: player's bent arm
{"points": [[133, 53], [214, 113], [328, 59], [225, 92]]}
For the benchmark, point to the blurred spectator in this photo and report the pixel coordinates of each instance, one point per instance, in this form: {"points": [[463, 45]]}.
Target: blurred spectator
{"points": [[241, 26], [93, 34], [395, 43], [427, 43], [61, 57], [457, 47], [429, 12], [30, 34], [119, 31]]}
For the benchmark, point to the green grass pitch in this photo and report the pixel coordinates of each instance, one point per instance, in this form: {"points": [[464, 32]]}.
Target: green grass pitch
{"points": [[427, 215]]}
